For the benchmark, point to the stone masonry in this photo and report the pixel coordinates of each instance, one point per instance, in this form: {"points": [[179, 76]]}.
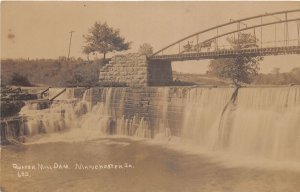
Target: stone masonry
{"points": [[159, 73], [135, 70]]}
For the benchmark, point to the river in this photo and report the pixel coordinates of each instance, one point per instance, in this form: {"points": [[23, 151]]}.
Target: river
{"points": [[149, 168], [158, 139]]}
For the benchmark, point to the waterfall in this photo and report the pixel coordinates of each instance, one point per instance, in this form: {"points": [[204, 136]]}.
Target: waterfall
{"points": [[249, 122], [265, 123], [163, 124], [261, 122], [60, 116], [203, 113]]}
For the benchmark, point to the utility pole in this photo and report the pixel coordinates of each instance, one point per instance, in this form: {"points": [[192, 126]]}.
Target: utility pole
{"points": [[71, 32]]}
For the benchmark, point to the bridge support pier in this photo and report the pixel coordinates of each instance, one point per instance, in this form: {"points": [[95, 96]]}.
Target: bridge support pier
{"points": [[135, 70], [159, 72]]}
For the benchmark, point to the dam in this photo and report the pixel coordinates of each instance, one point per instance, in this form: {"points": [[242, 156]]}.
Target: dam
{"points": [[212, 138], [254, 122]]}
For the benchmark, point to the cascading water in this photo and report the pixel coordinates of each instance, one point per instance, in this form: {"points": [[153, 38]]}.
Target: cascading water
{"points": [[203, 113], [260, 122], [163, 125], [266, 123], [255, 122], [60, 116]]}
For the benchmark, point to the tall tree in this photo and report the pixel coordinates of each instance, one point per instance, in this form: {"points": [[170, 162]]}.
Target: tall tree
{"points": [[104, 39], [242, 68], [146, 49]]}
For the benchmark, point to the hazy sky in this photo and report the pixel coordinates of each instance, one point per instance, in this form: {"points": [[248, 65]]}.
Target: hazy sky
{"points": [[41, 29]]}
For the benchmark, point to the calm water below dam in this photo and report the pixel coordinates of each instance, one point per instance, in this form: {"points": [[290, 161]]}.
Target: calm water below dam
{"points": [[225, 141], [149, 168]]}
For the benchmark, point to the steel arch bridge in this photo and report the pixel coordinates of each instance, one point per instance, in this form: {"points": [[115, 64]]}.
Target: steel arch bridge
{"points": [[276, 33]]}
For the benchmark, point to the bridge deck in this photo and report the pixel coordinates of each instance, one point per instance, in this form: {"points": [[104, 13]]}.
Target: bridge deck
{"points": [[229, 53]]}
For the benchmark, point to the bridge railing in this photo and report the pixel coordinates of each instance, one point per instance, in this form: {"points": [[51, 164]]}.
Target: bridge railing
{"points": [[276, 29], [229, 53]]}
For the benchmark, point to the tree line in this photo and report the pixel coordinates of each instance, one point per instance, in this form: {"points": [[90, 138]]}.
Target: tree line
{"points": [[51, 72]]}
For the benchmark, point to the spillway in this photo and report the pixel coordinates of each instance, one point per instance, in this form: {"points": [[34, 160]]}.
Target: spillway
{"points": [[255, 122]]}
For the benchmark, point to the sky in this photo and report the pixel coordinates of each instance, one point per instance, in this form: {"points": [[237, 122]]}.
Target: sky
{"points": [[41, 29]]}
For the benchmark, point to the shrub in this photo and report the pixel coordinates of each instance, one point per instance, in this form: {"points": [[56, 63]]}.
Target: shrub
{"points": [[19, 80]]}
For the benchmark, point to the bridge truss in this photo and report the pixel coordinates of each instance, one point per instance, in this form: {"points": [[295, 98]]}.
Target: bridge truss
{"points": [[269, 34]]}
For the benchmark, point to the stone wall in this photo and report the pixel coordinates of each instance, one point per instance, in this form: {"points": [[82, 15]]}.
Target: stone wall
{"points": [[159, 73], [129, 70], [135, 70]]}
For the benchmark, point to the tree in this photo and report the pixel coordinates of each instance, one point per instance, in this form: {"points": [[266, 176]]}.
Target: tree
{"points": [[242, 68], [104, 39], [146, 49], [87, 50]]}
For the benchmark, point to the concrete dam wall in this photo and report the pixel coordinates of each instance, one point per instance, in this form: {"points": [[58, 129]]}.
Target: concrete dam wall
{"points": [[254, 122]]}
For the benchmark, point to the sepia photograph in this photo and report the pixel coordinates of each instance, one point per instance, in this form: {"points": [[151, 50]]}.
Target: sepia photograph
{"points": [[150, 96]]}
